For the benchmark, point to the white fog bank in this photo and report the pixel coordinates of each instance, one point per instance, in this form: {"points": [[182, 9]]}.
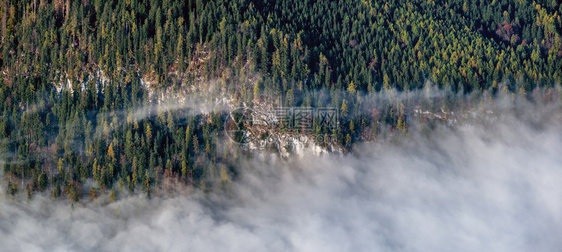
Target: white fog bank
{"points": [[476, 188]]}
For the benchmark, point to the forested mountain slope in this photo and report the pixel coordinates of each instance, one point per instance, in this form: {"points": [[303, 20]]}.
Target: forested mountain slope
{"points": [[73, 74]]}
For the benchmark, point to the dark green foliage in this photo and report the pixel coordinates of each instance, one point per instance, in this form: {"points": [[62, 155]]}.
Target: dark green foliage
{"points": [[72, 72]]}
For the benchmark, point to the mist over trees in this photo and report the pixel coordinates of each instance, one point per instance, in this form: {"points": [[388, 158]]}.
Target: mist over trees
{"points": [[73, 74]]}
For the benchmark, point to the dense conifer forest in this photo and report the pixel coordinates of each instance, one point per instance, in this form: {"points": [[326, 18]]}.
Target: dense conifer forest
{"points": [[87, 87]]}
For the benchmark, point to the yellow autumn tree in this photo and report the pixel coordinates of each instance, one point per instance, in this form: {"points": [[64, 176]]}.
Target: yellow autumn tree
{"points": [[344, 109], [351, 88], [111, 154]]}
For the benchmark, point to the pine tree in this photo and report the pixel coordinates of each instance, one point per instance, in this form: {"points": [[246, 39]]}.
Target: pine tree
{"points": [[112, 197], [146, 183], [344, 110]]}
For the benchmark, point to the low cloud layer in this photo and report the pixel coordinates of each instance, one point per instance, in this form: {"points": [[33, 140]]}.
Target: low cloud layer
{"points": [[480, 187]]}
